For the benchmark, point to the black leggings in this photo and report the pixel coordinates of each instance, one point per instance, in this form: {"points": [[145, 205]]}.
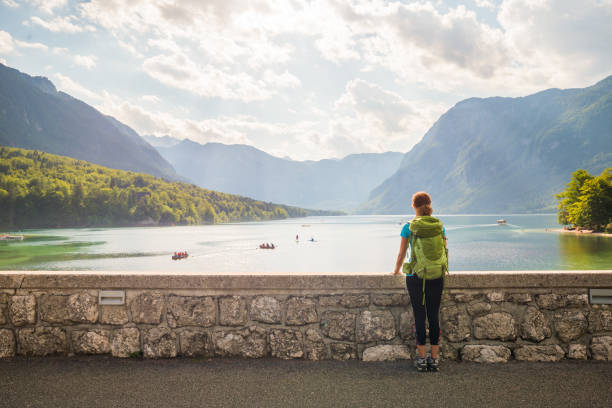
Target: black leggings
{"points": [[431, 309]]}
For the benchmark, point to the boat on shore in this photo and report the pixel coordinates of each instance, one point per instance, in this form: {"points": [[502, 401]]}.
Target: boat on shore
{"points": [[7, 237], [501, 222]]}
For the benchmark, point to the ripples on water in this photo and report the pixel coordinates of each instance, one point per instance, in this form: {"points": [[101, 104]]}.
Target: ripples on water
{"points": [[352, 244]]}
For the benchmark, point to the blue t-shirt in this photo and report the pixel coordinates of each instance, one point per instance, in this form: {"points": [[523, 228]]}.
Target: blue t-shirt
{"points": [[406, 234], [406, 231]]}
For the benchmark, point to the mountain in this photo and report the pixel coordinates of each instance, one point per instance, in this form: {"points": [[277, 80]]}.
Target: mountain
{"points": [[34, 115], [245, 170], [504, 155]]}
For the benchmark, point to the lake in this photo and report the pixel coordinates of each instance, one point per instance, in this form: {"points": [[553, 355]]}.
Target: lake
{"points": [[349, 244]]}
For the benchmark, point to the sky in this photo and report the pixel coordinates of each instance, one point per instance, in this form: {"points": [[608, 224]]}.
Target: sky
{"points": [[303, 79]]}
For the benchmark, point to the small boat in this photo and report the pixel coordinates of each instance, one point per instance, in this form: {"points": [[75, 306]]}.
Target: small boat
{"points": [[5, 237], [267, 246], [180, 255], [501, 221]]}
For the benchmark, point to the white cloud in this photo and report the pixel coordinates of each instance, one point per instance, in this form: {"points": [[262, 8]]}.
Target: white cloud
{"points": [[7, 45], [150, 98], [10, 3], [62, 24], [485, 4], [561, 42], [48, 6], [87, 61], [66, 84], [376, 120], [179, 71]]}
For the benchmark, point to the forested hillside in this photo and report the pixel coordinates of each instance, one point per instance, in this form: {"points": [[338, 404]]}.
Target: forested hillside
{"points": [[44, 190]]}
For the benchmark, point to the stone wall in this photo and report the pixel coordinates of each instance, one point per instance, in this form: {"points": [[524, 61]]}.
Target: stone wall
{"points": [[486, 317]]}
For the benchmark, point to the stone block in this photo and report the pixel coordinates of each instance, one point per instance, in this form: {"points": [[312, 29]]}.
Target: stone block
{"points": [[22, 310], [455, 324], [7, 343], [448, 351], [125, 342], [91, 341], [577, 352], [465, 297], [191, 311], [160, 342], [534, 325], [54, 308], [314, 346], [551, 301], [570, 325], [519, 297], [147, 308], [495, 296], [195, 342], [265, 309], [485, 354], [407, 324], [478, 308], [338, 325], [386, 352], [600, 320], [286, 344], [551, 352], [343, 351], [3, 313], [301, 311], [495, 326], [250, 342], [375, 326], [232, 311], [348, 301], [577, 300], [82, 308], [391, 299], [114, 315], [42, 341], [601, 348]]}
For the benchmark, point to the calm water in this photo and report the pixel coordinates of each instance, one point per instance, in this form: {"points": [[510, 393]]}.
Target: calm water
{"points": [[351, 244]]}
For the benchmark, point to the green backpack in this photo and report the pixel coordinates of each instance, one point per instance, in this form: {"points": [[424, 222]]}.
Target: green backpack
{"points": [[428, 251]]}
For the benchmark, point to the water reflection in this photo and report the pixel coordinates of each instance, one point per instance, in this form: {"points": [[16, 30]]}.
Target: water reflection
{"points": [[585, 251]]}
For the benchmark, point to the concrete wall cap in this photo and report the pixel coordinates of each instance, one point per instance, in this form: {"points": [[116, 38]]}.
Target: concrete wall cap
{"points": [[163, 280]]}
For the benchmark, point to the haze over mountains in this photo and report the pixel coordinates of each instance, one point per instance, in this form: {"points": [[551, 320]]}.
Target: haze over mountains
{"points": [[34, 115], [240, 169], [504, 155]]}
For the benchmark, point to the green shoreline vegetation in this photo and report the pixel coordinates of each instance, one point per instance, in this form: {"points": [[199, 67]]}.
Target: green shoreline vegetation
{"points": [[42, 190], [586, 203]]}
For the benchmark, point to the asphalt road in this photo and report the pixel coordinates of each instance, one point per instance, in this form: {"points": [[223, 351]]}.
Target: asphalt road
{"points": [[109, 382]]}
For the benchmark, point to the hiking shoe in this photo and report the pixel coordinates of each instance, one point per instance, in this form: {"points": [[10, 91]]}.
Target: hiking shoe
{"points": [[433, 364], [420, 364]]}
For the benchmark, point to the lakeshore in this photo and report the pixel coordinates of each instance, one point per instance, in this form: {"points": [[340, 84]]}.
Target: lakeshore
{"points": [[579, 232]]}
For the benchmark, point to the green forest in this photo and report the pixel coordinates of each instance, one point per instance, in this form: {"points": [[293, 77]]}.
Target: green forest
{"points": [[41, 190], [587, 201]]}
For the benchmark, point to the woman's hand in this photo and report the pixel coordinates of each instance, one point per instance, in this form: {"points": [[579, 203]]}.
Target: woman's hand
{"points": [[396, 272]]}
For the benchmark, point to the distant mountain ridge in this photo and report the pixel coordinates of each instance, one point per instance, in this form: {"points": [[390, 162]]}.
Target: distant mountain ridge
{"points": [[504, 155], [240, 169], [34, 115]]}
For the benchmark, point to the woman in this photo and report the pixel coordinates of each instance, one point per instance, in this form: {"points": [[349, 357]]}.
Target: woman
{"points": [[425, 296]]}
